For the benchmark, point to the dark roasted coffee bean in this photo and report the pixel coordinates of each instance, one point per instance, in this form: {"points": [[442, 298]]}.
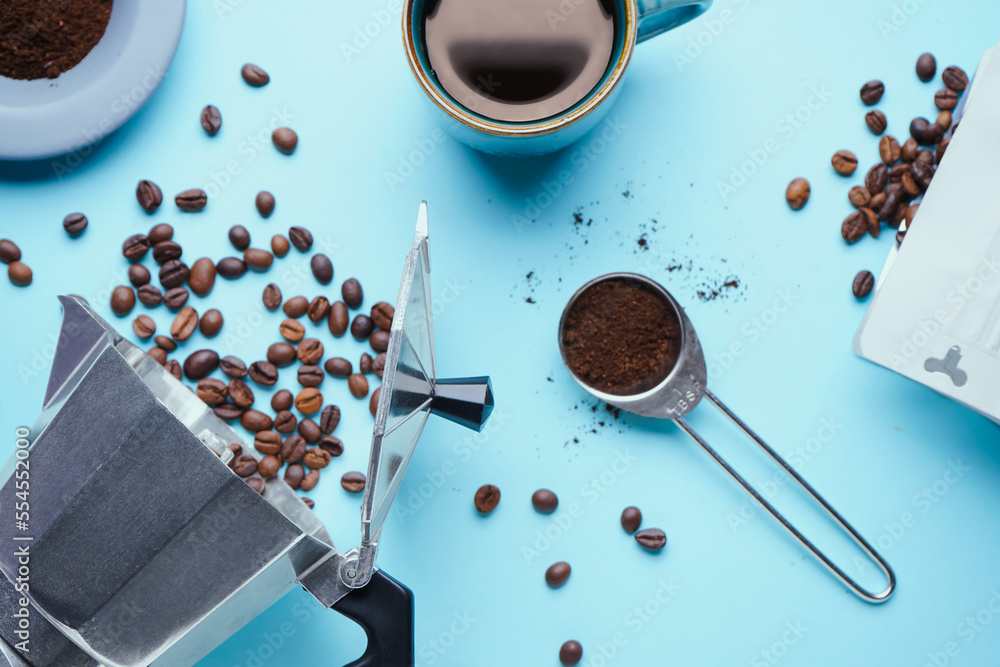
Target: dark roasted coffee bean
{"points": [[191, 201], [378, 365], [854, 227], [382, 314], [271, 296], [264, 203], [158, 354], [365, 364], [557, 574], [844, 162], [876, 202], [353, 482], [281, 354], [310, 375], [75, 223], [797, 193], [352, 293], [926, 67], [872, 91], [233, 367], [319, 309], [150, 296], [230, 268], [955, 78], [331, 444], [631, 519], [309, 351], [362, 327], [175, 298], [174, 368], [309, 401], [486, 499], [922, 174], [254, 75], [910, 185], [357, 384], [228, 412], [19, 273], [294, 474], [135, 247], [875, 120], [149, 195], [379, 340], [309, 430], [293, 449], [263, 373], [269, 466], [338, 319], [908, 152], [174, 273], [255, 420], [946, 98], [164, 251], [244, 465], [296, 307], [200, 364], [859, 196], [9, 252], [877, 178], [897, 172], [329, 419], [279, 245], [211, 119], [282, 400], [237, 449], [239, 237], [160, 232], [212, 391], [544, 501], [240, 393], [899, 215], [322, 268], [925, 132], [943, 119], [257, 484], [267, 442], [138, 275], [892, 202], [941, 148], [863, 283], [316, 458], [285, 140], [888, 149], [300, 237], [911, 212], [871, 219], [201, 280], [338, 367], [166, 342], [925, 157], [122, 300], [291, 330], [257, 259], [310, 481], [570, 653], [373, 401], [184, 324], [653, 539], [144, 326], [285, 421]]}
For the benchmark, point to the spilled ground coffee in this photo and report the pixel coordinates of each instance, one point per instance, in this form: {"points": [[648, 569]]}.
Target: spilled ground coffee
{"points": [[44, 38]]}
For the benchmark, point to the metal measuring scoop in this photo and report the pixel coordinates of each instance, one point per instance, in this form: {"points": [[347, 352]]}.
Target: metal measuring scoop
{"points": [[677, 389]]}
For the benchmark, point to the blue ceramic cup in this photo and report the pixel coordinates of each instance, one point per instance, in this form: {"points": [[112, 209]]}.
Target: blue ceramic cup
{"points": [[635, 20]]}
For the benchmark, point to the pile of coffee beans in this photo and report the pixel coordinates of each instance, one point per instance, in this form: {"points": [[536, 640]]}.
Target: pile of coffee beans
{"points": [[17, 271]]}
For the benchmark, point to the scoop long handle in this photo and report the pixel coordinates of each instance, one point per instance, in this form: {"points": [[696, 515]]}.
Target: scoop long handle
{"points": [[830, 565]]}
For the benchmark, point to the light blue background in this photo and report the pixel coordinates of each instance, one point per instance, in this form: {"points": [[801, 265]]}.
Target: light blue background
{"points": [[684, 126]]}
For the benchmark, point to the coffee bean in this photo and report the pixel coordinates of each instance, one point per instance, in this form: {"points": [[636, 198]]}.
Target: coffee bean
{"points": [[875, 120], [173, 273], [150, 296], [653, 539], [322, 268], [135, 247], [211, 119], [282, 400], [297, 306], [309, 430], [382, 314], [925, 157], [285, 140], [138, 275], [233, 367], [75, 223], [338, 319], [174, 368], [897, 171], [269, 466], [291, 329], [331, 444], [316, 458], [357, 384], [184, 324], [294, 474], [888, 149], [254, 75], [362, 327], [267, 442], [165, 251], [191, 201], [122, 297], [844, 162], [202, 276], [378, 365], [309, 401], [149, 196], [943, 120], [329, 419], [631, 519], [908, 152], [946, 98], [264, 203], [255, 420], [9, 252], [319, 309], [365, 364], [544, 501], [557, 574], [263, 373], [863, 283], [237, 449], [310, 350], [200, 364], [487, 498], [281, 354], [871, 92], [279, 245], [352, 292], [240, 393], [925, 132], [159, 355], [892, 201], [877, 178], [239, 237], [310, 375], [338, 367], [212, 391], [301, 238], [941, 148], [230, 268], [373, 401], [570, 653], [911, 212], [353, 482], [899, 215], [257, 484], [310, 481], [871, 219], [876, 202], [859, 196], [166, 342], [926, 67], [922, 174], [257, 259], [293, 449], [796, 194], [174, 298], [227, 412], [955, 78], [854, 227], [144, 326], [285, 421], [910, 185], [244, 465]]}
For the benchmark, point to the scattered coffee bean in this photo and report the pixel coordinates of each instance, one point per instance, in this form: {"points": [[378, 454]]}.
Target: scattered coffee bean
{"points": [[487, 498], [211, 323], [796, 194], [631, 519], [888, 149], [319, 309], [184, 324], [239, 237], [269, 466], [191, 201], [941, 148], [301, 238], [159, 233], [174, 298], [329, 419], [122, 297], [150, 296], [863, 283], [294, 474], [267, 442], [159, 354], [897, 171], [173, 273], [282, 400], [922, 173], [293, 449], [135, 247], [946, 98], [230, 268], [281, 354], [877, 178], [309, 502], [844, 162], [264, 203], [279, 245], [570, 653], [291, 329], [331, 444], [75, 223], [338, 319], [164, 251], [309, 401], [925, 132], [876, 202], [285, 421], [255, 420], [257, 259], [378, 365], [254, 75], [166, 342], [955, 78], [875, 120], [309, 350], [310, 481], [200, 364], [263, 373], [138, 275], [296, 307], [211, 391], [859, 196], [544, 501], [353, 482], [557, 574], [382, 314], [926, 67], [854, 227], [310, 432], [365, 364], [271, 296], [653, 539], [285, 140], [357, 384], [310, 375], [211, 120], [244, 465], [174, 368], [144, 326], [872, 91], [149, 196], [322, 268], [871, 219], [233, 367], [911, 212], [908, 152], [943, 120], [227, 412], [316, 458], [9, 252], [362, 327], [202, 276], [373, 401], [910, 184], [352, 293], [925, 157], [379, 340]]}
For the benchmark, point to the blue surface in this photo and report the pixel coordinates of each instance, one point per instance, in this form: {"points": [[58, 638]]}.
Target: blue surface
{"points": [[733, 589]]}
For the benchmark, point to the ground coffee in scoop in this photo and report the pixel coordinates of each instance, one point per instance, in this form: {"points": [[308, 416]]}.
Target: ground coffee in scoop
{"points": [[44, 38]]}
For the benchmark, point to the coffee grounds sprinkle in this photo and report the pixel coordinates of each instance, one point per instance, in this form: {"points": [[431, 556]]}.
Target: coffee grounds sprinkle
{"points": [[43, 38], [621, 337]]}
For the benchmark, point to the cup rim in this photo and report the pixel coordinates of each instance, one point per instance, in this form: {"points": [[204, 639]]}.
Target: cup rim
{"points": [[538, 128]]}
